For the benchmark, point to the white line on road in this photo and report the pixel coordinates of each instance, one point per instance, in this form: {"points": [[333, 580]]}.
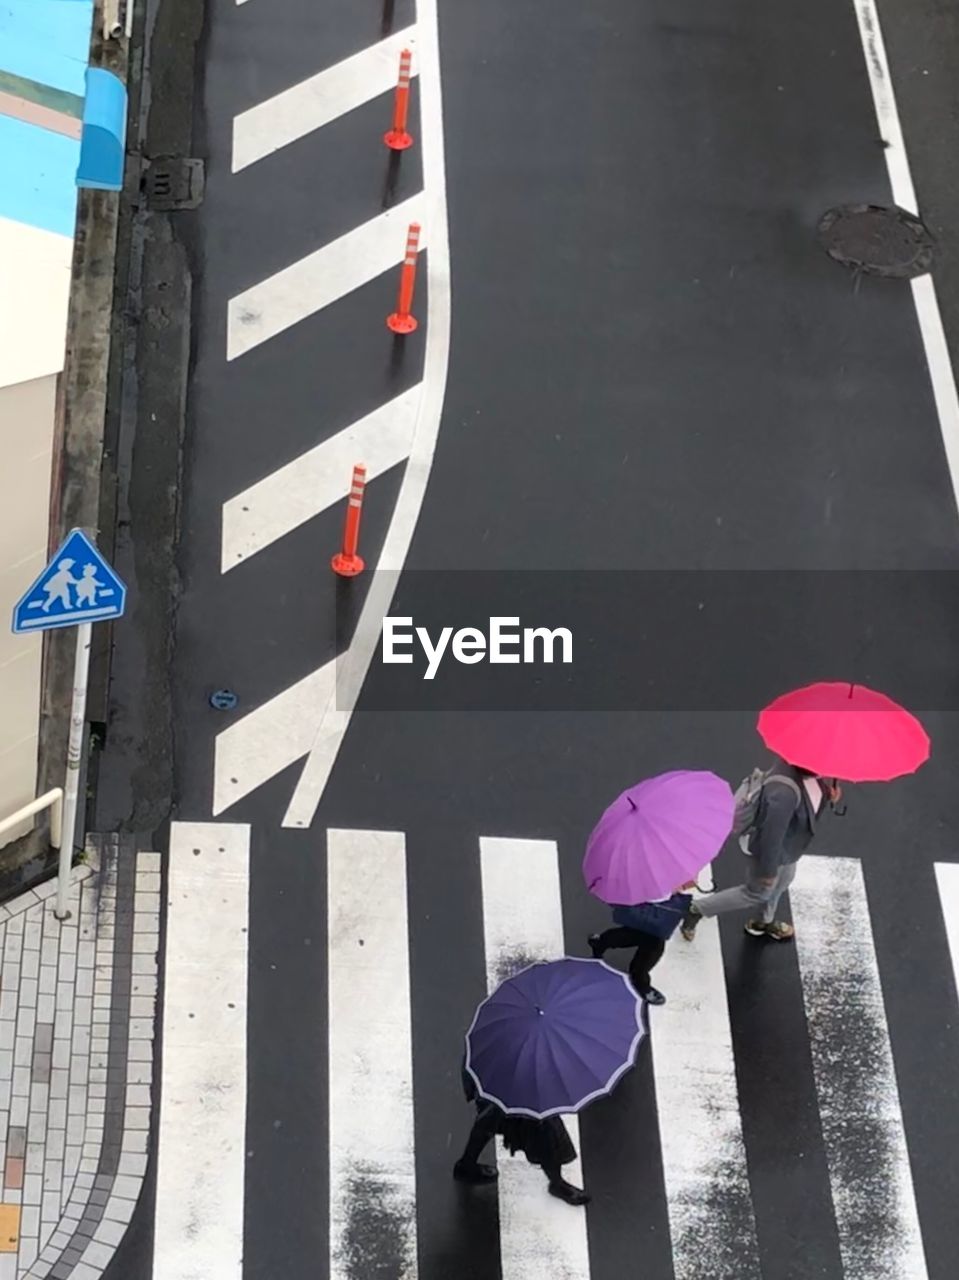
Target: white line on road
{"points": [[866, 1153], [323, 277], [711, 1217], [319, 100], [201, 1148], [523, 923], [336, 718], [316, 480], [941, 372], [270, 738], [947, 876], [372, 1163]]}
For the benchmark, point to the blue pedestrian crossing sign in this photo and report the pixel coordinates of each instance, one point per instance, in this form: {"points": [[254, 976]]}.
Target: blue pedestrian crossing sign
{"points": [[76, 586]]}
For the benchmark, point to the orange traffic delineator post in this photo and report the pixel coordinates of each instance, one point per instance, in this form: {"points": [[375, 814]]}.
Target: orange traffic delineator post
{"points": [[402, 319], [346, 562], [398, 139]]}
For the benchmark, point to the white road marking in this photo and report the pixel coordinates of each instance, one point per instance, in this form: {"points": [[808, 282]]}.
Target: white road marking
{"points": [[941, 371], [316, 480], [319, 100], [323, 277], [335, 720], [947, 876], [201, 1152], [872, 1192], [372, 1164], [270, 738], [711, 1217], [522, 923]]}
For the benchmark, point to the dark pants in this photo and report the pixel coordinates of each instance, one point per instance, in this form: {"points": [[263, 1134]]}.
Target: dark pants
{"points": [[648, 953]]}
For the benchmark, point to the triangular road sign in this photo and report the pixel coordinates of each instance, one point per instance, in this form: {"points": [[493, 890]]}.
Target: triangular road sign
{"points": [[76, 586]]}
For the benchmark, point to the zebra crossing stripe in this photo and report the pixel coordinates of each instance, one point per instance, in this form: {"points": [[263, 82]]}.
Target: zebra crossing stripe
{"points": [[704, 1156], [270, 738], [290, 496], [372, 1164], [947, 878], [322, 98], [872, 1192], [321, 278], [201, 1156], [523, 923]]}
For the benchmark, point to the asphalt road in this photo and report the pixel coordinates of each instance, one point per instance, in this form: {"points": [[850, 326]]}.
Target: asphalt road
{"points": [[654, 367]]}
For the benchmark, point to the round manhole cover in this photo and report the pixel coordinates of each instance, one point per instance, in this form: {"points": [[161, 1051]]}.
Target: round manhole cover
{"points": [[881, 242]]}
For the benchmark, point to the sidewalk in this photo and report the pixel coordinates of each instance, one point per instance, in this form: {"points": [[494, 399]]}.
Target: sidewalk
{"points": [[76, 1058]]}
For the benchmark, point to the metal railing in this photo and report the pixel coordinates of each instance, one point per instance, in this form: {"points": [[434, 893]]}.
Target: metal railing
{"points": [[52, 800]]}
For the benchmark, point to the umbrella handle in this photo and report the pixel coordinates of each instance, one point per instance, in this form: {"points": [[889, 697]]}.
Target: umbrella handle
{"points": [[840, 810]]}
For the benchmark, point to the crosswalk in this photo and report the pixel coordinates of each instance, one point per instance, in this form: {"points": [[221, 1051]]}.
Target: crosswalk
{"points": [[372, 1153]]}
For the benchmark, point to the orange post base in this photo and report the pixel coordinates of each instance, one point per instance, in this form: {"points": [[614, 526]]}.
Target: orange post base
{"points": [[400, 323], [398, 139], [347, 566]]}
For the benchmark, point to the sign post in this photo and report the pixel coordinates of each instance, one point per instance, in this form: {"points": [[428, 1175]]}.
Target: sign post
{"points": [[71, 788], [76, 589]]}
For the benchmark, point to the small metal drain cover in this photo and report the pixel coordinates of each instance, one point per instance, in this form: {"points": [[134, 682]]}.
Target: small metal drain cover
{"points": [[879, 241], [173, 182]]}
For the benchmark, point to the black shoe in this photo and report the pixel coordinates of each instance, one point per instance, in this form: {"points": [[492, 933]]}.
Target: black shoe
{"points": [[653, 996], [566, 1191], [474, 1173], [596, 946]]}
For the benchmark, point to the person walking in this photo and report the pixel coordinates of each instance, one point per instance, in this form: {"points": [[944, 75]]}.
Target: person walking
{"points": [[791, 804], [647, 926], [544, 1142]]}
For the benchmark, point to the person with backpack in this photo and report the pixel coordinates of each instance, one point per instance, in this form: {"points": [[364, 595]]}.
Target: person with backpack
{"points": [[777, 815], [647, 926]]}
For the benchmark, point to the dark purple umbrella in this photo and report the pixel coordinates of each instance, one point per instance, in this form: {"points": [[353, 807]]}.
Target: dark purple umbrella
{"points": [[554, 1036], [658, 835]]}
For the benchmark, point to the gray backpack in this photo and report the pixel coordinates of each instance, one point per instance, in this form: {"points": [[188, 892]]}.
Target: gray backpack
{"points": [[749, 793]]}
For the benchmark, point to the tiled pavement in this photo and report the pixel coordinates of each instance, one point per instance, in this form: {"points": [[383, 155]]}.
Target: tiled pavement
{"points": [[76, 1058]]}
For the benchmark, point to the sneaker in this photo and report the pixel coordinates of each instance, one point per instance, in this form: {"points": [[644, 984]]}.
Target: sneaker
{"points": [[563, 1190], [474, 1173], [778, 930], [653, 996], [690, 920], [596, 946]]}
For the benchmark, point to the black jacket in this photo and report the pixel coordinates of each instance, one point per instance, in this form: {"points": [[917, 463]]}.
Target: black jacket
{"points": [[785, 825]]}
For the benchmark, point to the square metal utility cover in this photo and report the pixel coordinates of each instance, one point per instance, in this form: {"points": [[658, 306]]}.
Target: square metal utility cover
{"points": [[173, 182]]}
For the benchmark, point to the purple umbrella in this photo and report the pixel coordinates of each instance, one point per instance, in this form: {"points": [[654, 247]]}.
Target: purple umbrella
{"points": [[657, 836], [554, 1036]]}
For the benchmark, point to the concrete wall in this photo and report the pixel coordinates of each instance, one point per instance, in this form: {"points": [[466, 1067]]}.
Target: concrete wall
{"points": [[27, 412]]}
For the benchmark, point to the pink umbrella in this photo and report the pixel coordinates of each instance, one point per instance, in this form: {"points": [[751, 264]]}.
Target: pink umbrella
{"points": [[844, 730], [658, 835]]}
